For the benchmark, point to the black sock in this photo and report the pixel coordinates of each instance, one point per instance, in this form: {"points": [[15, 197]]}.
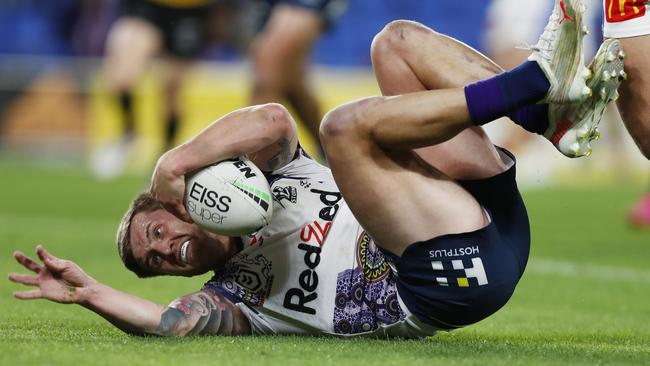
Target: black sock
{"points": [[533, 118], [171, 130], [126, 103]]}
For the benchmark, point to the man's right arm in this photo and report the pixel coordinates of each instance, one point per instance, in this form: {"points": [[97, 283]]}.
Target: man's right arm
{"points": [[201, 313], [62, 281]]}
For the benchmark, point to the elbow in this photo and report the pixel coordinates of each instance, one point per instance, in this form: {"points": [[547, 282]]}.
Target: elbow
{"points": [[276, 120]]}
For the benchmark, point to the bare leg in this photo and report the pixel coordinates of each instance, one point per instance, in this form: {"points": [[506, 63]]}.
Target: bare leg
{"points": [[281, 58], [132, 43], [416, 201], [634, 103], [175, 70], [409, 57], [634, 107]]}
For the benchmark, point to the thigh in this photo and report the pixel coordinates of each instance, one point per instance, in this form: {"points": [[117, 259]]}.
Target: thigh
{"points": [[396, 196], [132, 42], [327, 10], [284, 44]]}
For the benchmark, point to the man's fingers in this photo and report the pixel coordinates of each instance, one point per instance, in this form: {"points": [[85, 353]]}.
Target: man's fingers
{"points": [[27, 262], [178, 209], [44, 254], [23, 279], [28, 295], [55, 265], [182, 213]]}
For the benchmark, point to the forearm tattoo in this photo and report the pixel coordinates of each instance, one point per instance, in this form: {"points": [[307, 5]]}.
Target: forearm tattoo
{"points": [[203, 313], [282, 157]]}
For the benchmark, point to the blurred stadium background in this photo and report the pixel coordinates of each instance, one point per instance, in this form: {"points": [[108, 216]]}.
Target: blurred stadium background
{"points": [[583, 300], [54, 97], [54, 104]]}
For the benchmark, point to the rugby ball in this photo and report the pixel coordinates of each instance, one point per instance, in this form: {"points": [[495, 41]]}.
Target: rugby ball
{"points": [[231, 197]]}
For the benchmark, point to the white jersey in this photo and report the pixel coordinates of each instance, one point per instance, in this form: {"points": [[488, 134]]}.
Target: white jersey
{"points": [[626, 18], [313, 269]]}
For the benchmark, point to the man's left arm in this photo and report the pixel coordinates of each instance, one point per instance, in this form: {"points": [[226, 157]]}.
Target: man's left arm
{"points": [[267, 134]]}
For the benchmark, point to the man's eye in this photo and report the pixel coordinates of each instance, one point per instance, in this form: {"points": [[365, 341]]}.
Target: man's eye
{"points": [[157, 232]]}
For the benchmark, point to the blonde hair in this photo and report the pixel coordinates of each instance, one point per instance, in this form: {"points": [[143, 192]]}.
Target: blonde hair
{"points": [[144, 202]]}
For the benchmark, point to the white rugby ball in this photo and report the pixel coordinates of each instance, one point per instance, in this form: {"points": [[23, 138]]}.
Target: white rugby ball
{"points": [[231, 197]]}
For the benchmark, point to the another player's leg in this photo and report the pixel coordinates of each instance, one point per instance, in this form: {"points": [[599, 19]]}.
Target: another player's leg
{"points": [[634, 107], [281, 55], [630, 23], [131, 44], [175, 70], [634, 104]]}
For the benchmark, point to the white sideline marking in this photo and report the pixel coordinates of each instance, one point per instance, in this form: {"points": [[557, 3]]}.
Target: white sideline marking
{"points": [[599, 272], [539, 266]]}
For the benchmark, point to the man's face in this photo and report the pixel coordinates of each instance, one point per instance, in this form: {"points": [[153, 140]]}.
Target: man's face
{"points": [[165, 244]]}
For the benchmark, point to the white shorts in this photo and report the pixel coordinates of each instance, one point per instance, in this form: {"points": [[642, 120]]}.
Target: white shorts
{"points": [[626, 18]]}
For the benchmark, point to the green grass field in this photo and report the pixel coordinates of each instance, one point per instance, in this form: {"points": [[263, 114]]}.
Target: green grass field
{"points": [[584, 300]]}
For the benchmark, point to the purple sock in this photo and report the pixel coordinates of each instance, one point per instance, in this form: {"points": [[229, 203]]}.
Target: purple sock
{"points": [[503, 94], [533, 118]]}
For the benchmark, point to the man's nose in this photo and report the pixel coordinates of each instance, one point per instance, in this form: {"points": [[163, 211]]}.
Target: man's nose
{"points": [[162, 246]]}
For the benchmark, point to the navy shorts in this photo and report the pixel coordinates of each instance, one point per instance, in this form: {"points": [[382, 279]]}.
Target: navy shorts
{"points": [[328, 10], [455, 280], [184, 30]]}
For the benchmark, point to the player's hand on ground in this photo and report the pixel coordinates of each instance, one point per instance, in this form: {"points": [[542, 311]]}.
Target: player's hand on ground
{"points": [[57, 279], [168, 187]]}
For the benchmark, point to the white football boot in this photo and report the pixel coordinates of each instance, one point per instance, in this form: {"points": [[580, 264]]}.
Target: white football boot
{"points": [[559, 53], [110, 160], [572, 127]]}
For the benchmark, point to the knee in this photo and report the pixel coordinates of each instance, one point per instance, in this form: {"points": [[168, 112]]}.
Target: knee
{"points": [[395, 37], [273, 114]]}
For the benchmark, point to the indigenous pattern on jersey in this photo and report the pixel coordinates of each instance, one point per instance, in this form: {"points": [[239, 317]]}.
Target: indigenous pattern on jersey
{"points": [[364, 296], [626, 18], [313, 269]]}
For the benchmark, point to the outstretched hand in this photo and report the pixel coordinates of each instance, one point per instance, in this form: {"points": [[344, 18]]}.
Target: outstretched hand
{"points": [[169, 188], [57, 280]]}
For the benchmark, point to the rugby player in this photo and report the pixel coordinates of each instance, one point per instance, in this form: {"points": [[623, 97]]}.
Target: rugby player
{"points": [[177, 31], [629, 21], [418, 227]]}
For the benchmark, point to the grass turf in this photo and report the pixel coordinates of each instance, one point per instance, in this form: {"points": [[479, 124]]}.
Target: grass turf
{"points": [[584, 299]]}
